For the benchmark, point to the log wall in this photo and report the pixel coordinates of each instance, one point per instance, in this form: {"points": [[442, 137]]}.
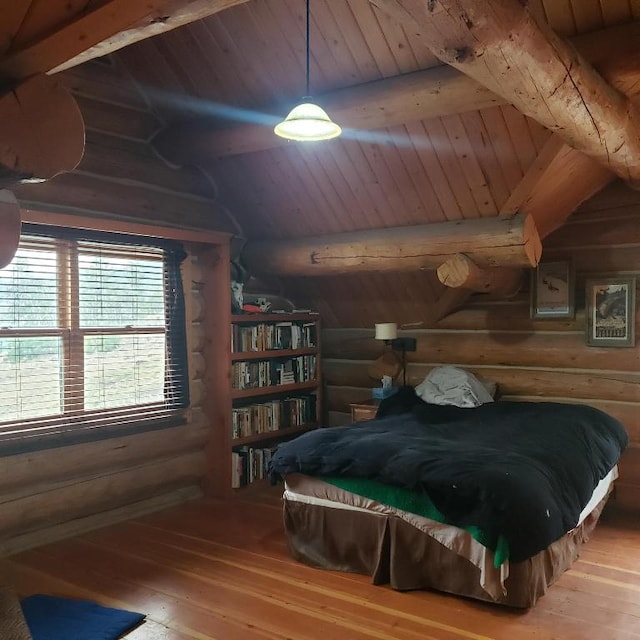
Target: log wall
{"points": [[120, 176], [54, 493], [529, 359]]}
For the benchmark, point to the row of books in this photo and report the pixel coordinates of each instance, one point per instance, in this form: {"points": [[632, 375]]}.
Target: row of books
{"points": [[273, 336], [264, 417], [249, 464], [266, 373]]}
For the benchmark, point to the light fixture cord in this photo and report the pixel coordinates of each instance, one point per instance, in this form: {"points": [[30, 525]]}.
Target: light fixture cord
{"points": [[308, 93]]}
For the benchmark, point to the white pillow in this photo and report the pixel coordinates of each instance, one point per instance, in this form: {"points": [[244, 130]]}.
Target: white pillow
{"points": [[451, 385]]}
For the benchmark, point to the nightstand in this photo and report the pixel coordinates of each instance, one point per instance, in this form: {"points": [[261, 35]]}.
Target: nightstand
{"points": [[364, 410]]}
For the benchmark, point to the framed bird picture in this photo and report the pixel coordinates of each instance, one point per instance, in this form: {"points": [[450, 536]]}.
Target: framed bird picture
{"points": [[552, 290]]}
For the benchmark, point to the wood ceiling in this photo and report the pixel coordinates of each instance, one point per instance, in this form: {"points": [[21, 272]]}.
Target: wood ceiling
{"points": [[424, 143]]}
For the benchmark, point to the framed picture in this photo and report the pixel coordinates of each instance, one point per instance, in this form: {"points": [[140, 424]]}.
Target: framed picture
{"points": [[552, 286], [611, 312]]}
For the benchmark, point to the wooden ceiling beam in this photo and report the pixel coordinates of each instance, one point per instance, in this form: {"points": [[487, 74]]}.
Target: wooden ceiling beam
{"points": [[106, 28], [41, 131], [499, 44], [407, 98], [555, 185], [373, 105], [498, 241], [460, 271]]}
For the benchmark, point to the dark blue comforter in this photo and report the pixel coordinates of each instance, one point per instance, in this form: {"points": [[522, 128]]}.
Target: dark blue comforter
{"points": [[523, 470]]}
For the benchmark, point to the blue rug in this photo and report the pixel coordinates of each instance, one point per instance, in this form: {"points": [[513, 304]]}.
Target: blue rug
{"points": [[51, 618]]}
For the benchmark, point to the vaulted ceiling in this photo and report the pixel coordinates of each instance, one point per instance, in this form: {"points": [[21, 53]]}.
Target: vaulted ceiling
{"points": [[424, 142]]}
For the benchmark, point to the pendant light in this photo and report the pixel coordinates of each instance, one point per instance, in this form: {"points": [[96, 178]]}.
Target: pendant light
{"points": [[307, 121]]}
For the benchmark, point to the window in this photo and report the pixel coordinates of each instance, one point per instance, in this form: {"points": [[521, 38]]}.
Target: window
{"points": [[92, 335]]}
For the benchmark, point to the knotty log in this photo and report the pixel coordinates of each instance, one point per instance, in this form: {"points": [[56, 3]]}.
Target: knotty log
{"points": [[499, 44], [9, 227], [509, 241], [41, 131], [462, 272]]}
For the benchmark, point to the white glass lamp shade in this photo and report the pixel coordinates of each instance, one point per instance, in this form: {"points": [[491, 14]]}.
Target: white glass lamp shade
{"points": [[386, 331], [307, 121]]}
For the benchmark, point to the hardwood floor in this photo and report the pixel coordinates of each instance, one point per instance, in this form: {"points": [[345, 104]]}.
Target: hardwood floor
{"points": [[220, 570]]}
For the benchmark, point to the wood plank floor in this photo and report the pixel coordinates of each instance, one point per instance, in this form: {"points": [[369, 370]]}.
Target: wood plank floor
{"points": [[213, 570]]}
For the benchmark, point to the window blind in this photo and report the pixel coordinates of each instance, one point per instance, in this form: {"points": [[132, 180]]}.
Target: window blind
{"points": [[92, 334]]}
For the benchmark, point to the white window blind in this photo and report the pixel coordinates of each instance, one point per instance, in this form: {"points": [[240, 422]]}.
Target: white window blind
{"points": [[91, 335]]}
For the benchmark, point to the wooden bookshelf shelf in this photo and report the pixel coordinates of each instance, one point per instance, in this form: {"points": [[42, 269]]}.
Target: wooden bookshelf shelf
{"points": [[274, 353], [254, 392], [274, 435]]}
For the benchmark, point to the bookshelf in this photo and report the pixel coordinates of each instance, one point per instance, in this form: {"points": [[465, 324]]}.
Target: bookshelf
{"points": [[276, 387]]}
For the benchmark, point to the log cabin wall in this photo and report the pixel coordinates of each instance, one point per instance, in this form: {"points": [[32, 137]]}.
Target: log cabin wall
{"points": [[54, 493], [530, 359], [120, 175]]}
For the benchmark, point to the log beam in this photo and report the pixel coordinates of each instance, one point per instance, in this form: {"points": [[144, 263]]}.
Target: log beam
{"points": [[462, 272], [9, 227], [41, 131], [499, 44], [374, 105], [407, 98], [500, 241], [555, 185], [111, 26]]}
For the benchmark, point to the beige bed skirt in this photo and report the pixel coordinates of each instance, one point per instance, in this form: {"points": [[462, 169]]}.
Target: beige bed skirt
{"points": [[395, 551]]}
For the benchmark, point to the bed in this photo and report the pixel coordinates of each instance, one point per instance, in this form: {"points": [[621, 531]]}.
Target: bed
{"points": [[491, 502]]}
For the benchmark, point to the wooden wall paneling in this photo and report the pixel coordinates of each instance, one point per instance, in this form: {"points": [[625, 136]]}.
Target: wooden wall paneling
{"points": [[494, 121], [315, 200], [616, 11], [369, 27], [560, 16], [434, 171], [347, 207], [429, 205], [345, 23], [490, 163], [220, 77], [286, 31], [450, 163], [346, 176], [412, 209], [399, 46], [471, 166], [346, 51], [399, 202], [587, 15], [249, 55], [520, 134], [13, 16]]}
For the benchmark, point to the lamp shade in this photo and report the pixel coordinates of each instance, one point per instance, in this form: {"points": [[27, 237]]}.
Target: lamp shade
{"points": [[386, 331], [307, 121]]}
